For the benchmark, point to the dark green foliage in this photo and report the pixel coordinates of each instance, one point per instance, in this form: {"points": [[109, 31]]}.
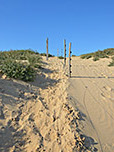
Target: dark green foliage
{"points": [[86, 56], [99, 54], [16, 70], [34, 60], [44, 54], [17, 54], [89, 56], [95, 58], [50, 55], [112, 63], [60, 57], [109, 51], [20, 64], [73, 55]]}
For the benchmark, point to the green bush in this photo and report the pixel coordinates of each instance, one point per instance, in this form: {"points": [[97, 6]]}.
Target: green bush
{"points": [[86, 56], [99, 54], [20, 64], [43, 54], [49, 55], [89, 56], [34, 60], [73, 55], [95, 58], [60, 57], [82, 56], [109, 51], [112, 63], [16, 54], [16, 70]]}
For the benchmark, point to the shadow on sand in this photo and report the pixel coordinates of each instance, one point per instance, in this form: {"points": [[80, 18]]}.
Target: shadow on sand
{"points": [[89, 142], [91, 77], [11, 94], [10, 137]]}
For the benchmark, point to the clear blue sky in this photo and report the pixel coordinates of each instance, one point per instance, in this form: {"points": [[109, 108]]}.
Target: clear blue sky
{"points": [[88, 24]]}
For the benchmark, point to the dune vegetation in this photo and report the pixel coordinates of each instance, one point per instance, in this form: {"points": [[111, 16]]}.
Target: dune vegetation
{"points": [[20, 64], [106, 53], [112, 63], [44, 54], [60, 57]]}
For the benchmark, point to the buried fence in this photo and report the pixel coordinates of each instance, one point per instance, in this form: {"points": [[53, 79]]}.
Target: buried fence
{"points": [[69, 57]]}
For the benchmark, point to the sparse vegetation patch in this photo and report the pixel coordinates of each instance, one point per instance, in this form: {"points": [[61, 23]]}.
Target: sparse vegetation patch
{"points": [[73, 55], [112, 63], [99, 54], [20, 64], [49, 55], [60, 57]]}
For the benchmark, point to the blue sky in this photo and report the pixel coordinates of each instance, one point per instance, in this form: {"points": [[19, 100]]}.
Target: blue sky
{"points": [[88, 24]]}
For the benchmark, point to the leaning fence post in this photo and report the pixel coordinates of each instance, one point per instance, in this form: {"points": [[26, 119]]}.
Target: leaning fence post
{"points": [[47, 49], [70, 60], [64, 53]]}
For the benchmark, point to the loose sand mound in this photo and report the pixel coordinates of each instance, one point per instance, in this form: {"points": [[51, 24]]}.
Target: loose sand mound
{"points": [[37, 116], [92, 91]]}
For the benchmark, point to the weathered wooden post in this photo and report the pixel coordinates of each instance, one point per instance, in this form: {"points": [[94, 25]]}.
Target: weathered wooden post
{"points": [[64, 53], [70, 60], [47, 49]]}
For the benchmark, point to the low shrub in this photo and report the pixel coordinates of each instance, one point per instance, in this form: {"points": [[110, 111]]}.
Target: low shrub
{"points": [[89, 56], [99, 54], [49, 55], [20, 64], [73, 55], [34, 60], [16, 70], [95, 58], [86, 56], [60, 57], [112, 63], [43, 54]]}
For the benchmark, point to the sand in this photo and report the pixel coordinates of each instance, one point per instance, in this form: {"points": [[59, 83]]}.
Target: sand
{"points": [[37, 116], [92, 92], [58, 114]]}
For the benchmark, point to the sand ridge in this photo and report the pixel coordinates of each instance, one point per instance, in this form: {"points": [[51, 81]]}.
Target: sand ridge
{"points": [[38, 116]]}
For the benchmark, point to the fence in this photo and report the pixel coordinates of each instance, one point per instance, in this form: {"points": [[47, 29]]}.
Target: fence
{"points": [[69, 65]]}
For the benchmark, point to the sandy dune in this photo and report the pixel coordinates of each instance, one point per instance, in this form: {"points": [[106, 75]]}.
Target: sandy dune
{"points": [[37, 116], [91, 90], [58, 114]]}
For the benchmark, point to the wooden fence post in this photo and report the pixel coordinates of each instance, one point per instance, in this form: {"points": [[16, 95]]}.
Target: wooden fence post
{"points": [[64, 53], [70, 60], [47, 49]]}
